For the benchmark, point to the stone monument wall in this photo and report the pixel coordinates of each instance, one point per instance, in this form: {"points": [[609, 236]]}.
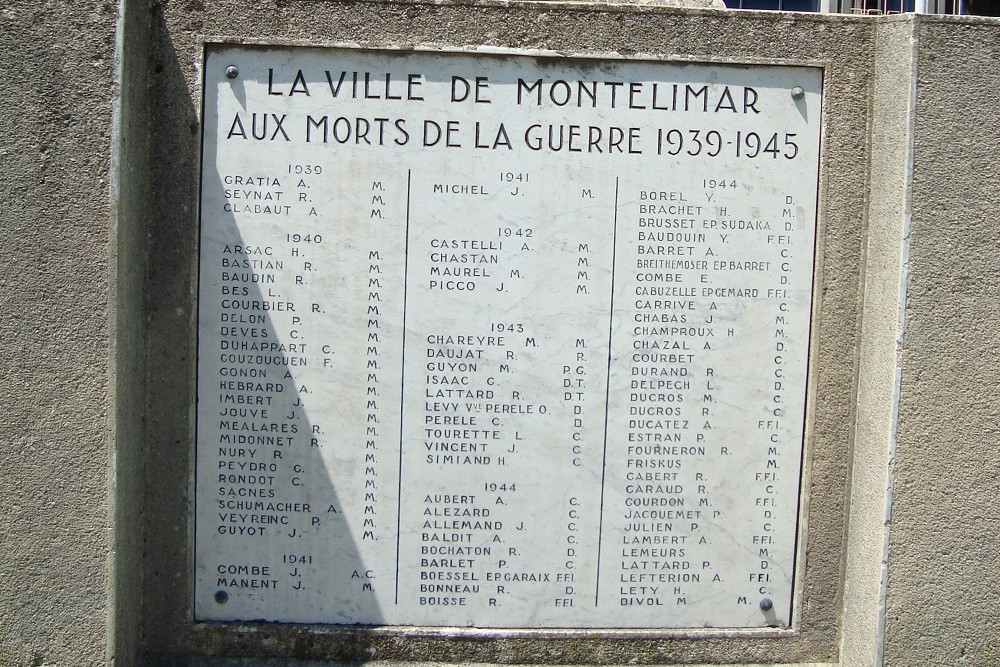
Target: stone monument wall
{"points": [[103, 178]]}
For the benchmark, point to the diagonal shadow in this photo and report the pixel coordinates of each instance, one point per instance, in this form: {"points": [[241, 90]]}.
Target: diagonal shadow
{"points": [[286, 490]]}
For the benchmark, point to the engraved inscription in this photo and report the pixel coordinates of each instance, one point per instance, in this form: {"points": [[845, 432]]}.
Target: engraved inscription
{"points": [[502, 341]]}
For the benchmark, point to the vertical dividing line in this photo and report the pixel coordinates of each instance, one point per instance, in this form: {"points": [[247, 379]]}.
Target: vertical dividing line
{"points": [[402, 379], [607, 397]]}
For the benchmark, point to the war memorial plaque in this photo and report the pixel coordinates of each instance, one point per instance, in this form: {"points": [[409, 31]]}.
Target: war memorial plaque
{"points": [[502, 340]]}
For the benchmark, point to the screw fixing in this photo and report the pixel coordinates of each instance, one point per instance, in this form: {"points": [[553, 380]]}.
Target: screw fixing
{"points": [[798, 93], [232, 72]]}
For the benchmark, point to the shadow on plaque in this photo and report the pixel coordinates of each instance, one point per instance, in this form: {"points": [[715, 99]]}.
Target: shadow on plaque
{"points": [[308, 441]]}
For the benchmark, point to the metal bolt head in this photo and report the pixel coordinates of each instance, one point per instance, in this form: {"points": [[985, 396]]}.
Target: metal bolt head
{"points": [[798, 93], [222, 597], [232, 72], [766, 604]]}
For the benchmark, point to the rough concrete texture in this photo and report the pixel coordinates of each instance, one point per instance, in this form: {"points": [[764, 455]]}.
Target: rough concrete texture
{"points": [[98, 282], [58, 72], [843, 45], [944, 564]]}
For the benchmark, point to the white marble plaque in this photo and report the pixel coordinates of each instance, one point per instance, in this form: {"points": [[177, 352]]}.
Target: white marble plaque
{"points": [[502, 341]]}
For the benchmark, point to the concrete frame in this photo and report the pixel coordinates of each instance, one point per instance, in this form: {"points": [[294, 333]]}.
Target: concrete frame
{"points": [[99, 258]]}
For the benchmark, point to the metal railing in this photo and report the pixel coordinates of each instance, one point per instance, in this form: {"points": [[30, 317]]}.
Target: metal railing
{"points": [[880, 7]]}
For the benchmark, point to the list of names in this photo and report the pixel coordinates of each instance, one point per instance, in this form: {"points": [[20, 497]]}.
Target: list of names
{"points": [[502, 341]]}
